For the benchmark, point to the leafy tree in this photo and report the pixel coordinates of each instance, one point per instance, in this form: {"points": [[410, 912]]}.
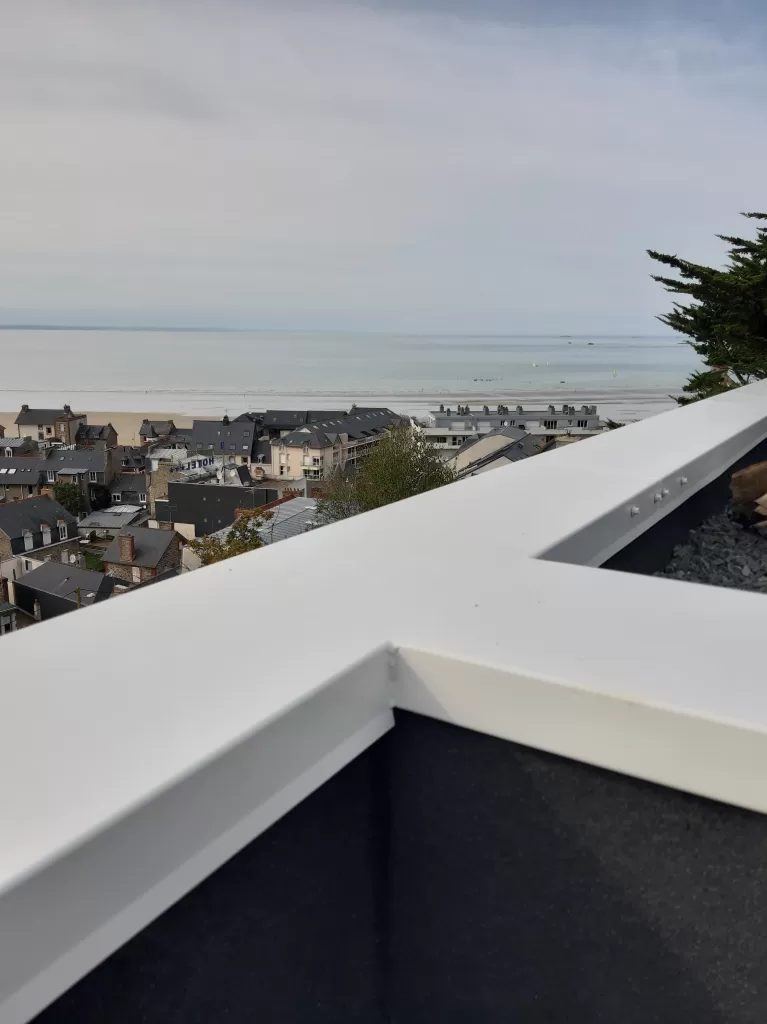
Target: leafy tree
{"points": [[726, 323], [71, 497], [243, 536], [402, 464]]}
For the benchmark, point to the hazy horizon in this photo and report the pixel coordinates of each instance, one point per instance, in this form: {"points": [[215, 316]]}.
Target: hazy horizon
{"points": [[389, 166]]}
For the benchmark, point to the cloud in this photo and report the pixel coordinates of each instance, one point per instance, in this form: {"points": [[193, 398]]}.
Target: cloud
{"points": [[362, 166]]}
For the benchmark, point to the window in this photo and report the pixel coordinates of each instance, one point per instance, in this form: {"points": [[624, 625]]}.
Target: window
{"points": [[232, 447], [28, 540], [583, 423], [27, 564], [142, 498], [93, 477], [117, 497], [30, 489], [521, 426], [441, 440], [46, 533], [282, 471], [246, 433], [63, 531], [51, 476], [315, 461], [136, 574], [49, 431], [550, 424]]}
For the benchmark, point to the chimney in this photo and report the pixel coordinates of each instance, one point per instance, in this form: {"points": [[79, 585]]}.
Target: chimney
{"points": [[25, 408], [67, 410], [3, 589], [127, 547], [225, 421]]}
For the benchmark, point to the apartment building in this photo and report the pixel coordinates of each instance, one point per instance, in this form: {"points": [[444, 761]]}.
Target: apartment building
{"points": [[449, 429], [315, 450]]}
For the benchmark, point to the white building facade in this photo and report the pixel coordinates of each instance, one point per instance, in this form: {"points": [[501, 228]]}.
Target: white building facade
{"points": [[448, 428]]}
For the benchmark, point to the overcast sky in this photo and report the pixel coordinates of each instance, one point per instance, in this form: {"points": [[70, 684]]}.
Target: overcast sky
{"points": [[413, 165]]}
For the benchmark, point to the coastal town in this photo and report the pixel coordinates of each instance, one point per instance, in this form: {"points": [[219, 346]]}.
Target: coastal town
{"points": [[84, 518]]}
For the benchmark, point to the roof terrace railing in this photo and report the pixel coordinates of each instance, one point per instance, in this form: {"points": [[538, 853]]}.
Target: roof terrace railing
{"points": [[126, 780]]}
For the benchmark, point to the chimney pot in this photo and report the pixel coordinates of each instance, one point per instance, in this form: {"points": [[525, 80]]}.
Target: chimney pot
{"points": [[127, 547]]}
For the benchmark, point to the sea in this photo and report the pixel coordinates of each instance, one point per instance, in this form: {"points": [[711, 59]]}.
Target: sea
{"points": [[208, 373]]}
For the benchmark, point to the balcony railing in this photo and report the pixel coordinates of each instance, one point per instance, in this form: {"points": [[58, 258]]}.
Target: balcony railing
{"points": [[126, 781]]}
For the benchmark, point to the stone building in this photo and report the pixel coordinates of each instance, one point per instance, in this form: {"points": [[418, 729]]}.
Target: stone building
{"points": [[152, 431], [102, 437], [138, 553]]}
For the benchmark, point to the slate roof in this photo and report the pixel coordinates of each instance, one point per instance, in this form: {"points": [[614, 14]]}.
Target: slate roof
{"points": [[63, 580], [289, 419], [263, 448], [88, 460], [32, 514], [358, 426], [156, 428], [129, 482], [21, 469], [150, 546], [31, 417], [93, 431], [218, 437], [136, 456]]}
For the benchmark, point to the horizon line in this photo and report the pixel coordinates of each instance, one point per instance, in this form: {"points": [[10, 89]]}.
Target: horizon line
{"points": [[322, 331]]}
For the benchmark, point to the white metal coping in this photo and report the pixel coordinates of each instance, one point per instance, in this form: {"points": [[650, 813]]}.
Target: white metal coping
{"points": [[198, 712]]}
